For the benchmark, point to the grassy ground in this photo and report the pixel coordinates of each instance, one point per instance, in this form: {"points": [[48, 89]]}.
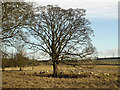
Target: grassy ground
{"points": [[100, 76]]}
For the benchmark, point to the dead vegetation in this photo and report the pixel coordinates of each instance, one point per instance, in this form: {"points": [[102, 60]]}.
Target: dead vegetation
{"points": [[68, 77]]}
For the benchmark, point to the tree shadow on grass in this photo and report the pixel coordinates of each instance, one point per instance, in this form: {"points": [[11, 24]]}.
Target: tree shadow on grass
{"points": [[63, 75]]}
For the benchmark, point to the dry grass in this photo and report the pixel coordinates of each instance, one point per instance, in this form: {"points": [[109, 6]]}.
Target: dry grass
{"points": [[99, 68], [17, 79], [41, 67]]}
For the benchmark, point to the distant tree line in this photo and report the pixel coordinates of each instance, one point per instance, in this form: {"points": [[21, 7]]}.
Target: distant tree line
{"points": [[108, 58], [17, 60]]}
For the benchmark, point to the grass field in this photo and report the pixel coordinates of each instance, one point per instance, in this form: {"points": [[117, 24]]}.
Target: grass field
{"points": [[100, 76]]}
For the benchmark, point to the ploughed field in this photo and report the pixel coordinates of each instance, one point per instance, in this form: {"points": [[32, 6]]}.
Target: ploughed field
{"points": [[99, 76]]}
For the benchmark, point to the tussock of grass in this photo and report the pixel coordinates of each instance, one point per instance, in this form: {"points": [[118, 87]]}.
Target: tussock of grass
{"points": [[76, 75], [66, 80], [83, 78]]}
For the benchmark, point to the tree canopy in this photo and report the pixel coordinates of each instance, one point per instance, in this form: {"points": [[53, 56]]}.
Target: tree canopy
{"points": [[15, 17], [61, 33]]}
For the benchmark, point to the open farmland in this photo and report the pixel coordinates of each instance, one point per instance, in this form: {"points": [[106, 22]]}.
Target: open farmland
{"points": [[54, 46], [99, 76]]}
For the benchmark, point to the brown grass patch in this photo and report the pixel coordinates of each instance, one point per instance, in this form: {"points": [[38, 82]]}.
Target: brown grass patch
{"points": [[17, 79]]}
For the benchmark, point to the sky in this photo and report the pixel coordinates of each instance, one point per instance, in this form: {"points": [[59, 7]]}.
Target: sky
{"points": [[103, 16]]}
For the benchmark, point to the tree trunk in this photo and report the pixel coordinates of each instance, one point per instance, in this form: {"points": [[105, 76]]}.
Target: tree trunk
{"points": [[32, 67], [55, 69], [20, 68], [3, 69]]}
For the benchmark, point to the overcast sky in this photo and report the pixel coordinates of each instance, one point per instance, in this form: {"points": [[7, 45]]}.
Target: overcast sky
{"points": [[103, 15]]}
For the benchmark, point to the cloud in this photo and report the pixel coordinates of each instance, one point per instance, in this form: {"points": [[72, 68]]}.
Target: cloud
{"points": [[108, 53], [103, 10], [95, 8]]}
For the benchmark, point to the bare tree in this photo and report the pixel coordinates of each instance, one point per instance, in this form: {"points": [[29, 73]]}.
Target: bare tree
{"points": [[60, 33], [15, 17], [4, 57], [20, 57]]}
